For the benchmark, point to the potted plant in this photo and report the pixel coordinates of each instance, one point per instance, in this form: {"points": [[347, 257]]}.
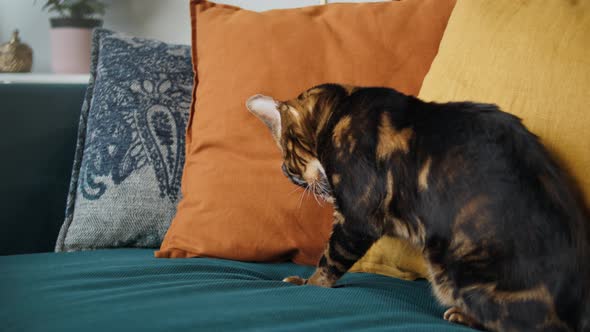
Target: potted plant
{"points": [[71, 33]]}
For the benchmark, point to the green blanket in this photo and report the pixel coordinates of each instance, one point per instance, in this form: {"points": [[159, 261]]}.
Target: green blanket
{"points": [[128, 290]]}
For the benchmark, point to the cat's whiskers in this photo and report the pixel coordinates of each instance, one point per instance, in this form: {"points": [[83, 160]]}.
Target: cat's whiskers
{"points": [[301, 198], [321, 188], [309, 189], [314, 186], [294, 190]]}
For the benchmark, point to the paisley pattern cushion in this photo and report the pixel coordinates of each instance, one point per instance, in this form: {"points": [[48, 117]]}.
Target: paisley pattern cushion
{"points": [[130, 154]]}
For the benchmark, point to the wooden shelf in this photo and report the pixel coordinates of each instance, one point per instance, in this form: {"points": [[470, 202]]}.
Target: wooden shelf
{"points": [[16, 78]]}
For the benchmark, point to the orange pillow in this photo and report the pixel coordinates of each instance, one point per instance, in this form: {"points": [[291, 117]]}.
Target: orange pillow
{"points": [[236, 202]]}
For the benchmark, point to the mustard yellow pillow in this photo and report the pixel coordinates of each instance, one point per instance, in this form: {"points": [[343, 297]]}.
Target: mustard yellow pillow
{"points": [[393, 257], [532, 58]]}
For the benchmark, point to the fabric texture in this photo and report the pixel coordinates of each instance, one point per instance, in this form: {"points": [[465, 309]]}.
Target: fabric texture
{"points": [[529, 57], [126, 178], [129, 290], [236, 202]]}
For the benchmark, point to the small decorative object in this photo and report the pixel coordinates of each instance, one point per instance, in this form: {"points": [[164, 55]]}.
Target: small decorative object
{"points": [[71, 33], [15, 57]]}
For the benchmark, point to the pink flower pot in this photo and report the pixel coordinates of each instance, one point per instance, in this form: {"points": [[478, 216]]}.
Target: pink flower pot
{"points": [[70, 45], [70, 50]]}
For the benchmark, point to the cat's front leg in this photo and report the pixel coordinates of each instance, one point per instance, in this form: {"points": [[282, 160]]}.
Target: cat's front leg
{"points": [[349, 241]]}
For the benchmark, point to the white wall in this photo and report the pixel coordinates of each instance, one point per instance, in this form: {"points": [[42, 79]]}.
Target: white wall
{"points": [[167, 20]]}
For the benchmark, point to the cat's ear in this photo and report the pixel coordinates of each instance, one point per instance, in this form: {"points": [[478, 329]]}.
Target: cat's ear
{"points": [[267, 110]]}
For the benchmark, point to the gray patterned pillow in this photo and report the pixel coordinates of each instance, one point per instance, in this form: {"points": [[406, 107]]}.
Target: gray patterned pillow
{"points": [[130, 154]]}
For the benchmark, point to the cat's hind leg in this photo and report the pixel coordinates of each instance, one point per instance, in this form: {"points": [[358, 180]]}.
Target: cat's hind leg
{"points": [[485, 308]]}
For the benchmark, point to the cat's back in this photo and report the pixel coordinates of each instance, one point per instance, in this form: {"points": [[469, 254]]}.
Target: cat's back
{"points": [[495, 155], [474, 149]]}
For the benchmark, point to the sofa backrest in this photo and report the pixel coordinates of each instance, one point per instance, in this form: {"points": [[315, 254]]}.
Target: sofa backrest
{"points": [[38, 130]]}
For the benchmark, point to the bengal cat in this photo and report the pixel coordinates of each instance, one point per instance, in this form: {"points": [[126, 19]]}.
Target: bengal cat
{"points": [[505, 235]]}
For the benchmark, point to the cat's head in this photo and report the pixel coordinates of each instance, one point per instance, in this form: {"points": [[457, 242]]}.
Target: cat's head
{"points": [[295, 125]]}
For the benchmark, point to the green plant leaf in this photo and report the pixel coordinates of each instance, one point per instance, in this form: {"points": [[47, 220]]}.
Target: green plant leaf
{"points": [[75, 8]]}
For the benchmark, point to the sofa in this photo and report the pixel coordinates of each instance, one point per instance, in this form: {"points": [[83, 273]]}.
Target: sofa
{"points": [[129, 289], [126, 288]]}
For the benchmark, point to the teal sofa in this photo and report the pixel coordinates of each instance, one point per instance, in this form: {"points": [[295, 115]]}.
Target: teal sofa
{"points": [[128, 289]]}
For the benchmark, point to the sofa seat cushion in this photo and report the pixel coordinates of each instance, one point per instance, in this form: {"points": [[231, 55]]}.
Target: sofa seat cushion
{"points": [[129, 289]]}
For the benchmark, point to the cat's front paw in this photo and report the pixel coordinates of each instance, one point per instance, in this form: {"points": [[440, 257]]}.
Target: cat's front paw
{"points": [[455, 315], [295, 280]]}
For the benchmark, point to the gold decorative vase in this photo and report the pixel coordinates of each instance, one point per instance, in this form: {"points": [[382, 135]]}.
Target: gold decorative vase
{"points": [[15, 57]]}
